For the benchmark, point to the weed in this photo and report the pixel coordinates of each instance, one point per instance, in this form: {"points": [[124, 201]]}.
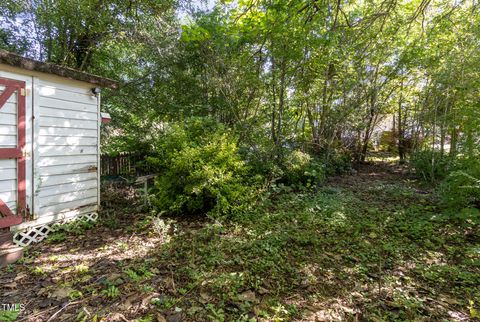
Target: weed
{"points": [[111, 292], [75, 295], [81, 269], [215, 314], [8, 316]]}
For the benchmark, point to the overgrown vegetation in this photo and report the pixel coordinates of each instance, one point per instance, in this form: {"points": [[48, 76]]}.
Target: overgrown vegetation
{"points": [[201, 169], [331, 80], [365, 247], [245, 110], [455, 178]]}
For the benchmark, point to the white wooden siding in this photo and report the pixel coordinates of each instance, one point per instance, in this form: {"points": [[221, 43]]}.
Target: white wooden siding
{"points": [[8, 139], [8, 182], [61, 147], [66, 148], [8, 122]]}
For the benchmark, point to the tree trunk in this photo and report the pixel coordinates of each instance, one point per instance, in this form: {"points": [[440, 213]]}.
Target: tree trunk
{"points": [[400, 126]]}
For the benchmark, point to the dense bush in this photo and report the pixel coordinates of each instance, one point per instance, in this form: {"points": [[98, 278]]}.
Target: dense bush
{"points": [[300, 168], [261, 159], [431, 165], [461, 188], [338, 164], [458, 178], [200, 169]]}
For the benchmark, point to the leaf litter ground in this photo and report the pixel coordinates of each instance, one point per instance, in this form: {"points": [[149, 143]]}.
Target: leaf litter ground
{"points": [[371, 246]]}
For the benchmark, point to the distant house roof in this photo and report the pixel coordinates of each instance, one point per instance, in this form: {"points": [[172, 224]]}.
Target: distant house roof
{"points": [[15, 60]]}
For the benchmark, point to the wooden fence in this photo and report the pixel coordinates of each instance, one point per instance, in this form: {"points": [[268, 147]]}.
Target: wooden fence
{"points": [[124, 164]]}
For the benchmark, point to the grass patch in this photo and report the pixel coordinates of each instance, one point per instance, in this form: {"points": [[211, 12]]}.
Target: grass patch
{"points": [[366, 247], [371, 254]]}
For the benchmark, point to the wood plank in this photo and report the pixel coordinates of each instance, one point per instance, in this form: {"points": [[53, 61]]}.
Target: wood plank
{"points": [[6, 94], [8, 141], [57, 208], [73, 91], [9, 130], [99, 146], [8, 119], [72, 168], [52, 217], [66, 150], [64, 160], [9, 196], [12, 205], [70, 141], [8, 174], [66, 113], [52, 131], [68, 187], [54, 102], [67, 197], [36, 144], [9, 108], [9, 185], [53, 180], [68, 123], [8, 164], [12, 99]]}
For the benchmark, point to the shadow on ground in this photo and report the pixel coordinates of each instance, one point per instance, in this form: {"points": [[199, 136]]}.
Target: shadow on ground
{"points": [[373, 246]]}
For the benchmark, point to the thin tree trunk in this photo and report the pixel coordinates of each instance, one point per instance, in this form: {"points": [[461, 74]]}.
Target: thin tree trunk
{"points": [[400, 126]]}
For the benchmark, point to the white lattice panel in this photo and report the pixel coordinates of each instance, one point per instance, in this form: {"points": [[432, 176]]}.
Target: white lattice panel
{"points": [[37, 234]]}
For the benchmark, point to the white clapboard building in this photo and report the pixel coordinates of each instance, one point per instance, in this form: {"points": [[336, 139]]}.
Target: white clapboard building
{"points": [[50, 122]]}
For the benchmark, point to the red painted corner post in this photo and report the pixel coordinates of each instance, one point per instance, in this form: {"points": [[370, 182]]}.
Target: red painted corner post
{"points": [[8, 218]]}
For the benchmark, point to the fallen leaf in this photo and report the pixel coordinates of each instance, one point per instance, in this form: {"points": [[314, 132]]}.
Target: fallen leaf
{"points": [[170, 283], [118, 282], [117, 317], [42, 291], [177, 317], [46, 303], [125, 306], [247, 296], [128, 303], [204, 297], [263, 290], [20, 276], [146, 300], [10, 285], [61, 293], [10, 293], [450, 300], [68, 317]]}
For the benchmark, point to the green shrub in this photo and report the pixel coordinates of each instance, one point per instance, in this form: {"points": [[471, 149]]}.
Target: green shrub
{"points": [[300, 168], [431, 165], [199, 168], [338, 164], [261, 159], [461, 188]]}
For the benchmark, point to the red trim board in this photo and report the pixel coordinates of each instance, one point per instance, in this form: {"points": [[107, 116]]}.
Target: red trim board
{"points": [[12, 86]]}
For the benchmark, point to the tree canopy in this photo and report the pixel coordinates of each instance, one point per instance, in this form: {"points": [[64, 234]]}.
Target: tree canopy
{"points": [[317, 75]]}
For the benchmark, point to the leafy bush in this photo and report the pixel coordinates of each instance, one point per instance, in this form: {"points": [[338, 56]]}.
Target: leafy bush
{"points": [[299, 168], [460, 177], [338, 164], [431, 165], [200, 169], [261, 158], [461, 188]]}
